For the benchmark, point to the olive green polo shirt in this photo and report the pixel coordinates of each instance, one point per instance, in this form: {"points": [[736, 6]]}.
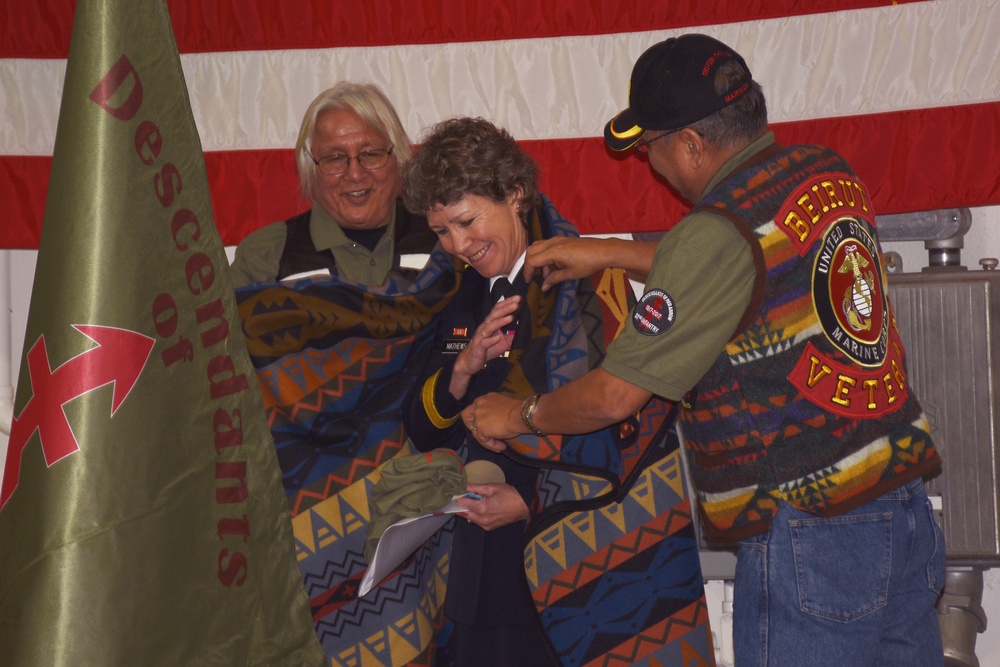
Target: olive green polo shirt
{"points": [[258, 256], [700, 284]]}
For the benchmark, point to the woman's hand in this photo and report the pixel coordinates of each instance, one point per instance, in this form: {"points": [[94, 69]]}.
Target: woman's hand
{"points": [[487, 342], [501, 505]]}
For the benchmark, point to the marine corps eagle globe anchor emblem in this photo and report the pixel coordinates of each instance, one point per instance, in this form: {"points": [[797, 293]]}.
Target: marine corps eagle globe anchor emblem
{"points": [[849, 294], [857, 305]]}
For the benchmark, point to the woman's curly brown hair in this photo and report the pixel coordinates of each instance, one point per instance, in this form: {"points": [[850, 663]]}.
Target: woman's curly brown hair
{"points": [[468, 156]]}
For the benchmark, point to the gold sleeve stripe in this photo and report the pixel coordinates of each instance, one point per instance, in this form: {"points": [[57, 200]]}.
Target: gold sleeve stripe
{"points": [[427, 396]]}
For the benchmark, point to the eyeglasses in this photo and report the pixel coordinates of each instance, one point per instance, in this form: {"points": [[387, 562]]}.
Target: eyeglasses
{"points": [[338, 163], [643, 144]]}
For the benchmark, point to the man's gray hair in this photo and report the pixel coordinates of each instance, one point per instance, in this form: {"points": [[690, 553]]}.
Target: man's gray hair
{"points": [[370, 103], [739, 123]]}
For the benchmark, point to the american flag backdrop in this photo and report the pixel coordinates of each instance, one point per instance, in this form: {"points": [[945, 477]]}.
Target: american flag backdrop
{"points": [[907, 91]]}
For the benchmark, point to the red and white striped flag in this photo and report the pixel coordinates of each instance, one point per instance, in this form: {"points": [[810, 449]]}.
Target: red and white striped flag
{"points": [[907, 91]]}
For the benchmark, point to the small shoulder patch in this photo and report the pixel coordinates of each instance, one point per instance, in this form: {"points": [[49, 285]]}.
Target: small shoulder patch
{"points": [[655, 313]]}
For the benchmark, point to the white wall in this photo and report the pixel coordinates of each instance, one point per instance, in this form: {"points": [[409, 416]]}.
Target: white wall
{"points": [[983, 240]]}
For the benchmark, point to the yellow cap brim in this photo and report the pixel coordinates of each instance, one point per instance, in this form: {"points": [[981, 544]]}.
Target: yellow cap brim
{"points": [[622, 132]]}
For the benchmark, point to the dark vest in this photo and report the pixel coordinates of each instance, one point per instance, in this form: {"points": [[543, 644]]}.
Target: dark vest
{"points": [[411, 236], [809, 404]]}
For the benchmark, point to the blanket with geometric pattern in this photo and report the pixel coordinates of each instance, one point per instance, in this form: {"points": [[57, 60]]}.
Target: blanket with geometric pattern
{"points": [[612, 560]]}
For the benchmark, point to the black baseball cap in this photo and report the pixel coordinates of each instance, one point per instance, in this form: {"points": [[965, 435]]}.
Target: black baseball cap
{"points": [[672, 86]]}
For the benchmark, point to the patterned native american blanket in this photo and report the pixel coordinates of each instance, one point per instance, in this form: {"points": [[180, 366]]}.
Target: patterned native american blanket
{"points": [[612, 560]]}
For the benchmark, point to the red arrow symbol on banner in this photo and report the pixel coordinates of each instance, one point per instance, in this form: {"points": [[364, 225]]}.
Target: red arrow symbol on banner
{"points": [[119, 358]]}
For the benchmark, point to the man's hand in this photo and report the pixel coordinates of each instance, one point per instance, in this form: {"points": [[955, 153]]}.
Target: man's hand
{"points": [[571, 258], [493, 418], [564, 258]]}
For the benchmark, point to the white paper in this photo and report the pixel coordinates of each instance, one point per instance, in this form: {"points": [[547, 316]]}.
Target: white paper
{"points": [[414, 261], [400, 540]]}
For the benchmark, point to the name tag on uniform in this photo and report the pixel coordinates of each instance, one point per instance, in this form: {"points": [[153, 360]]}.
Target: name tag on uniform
{"points": [[458, 341]]}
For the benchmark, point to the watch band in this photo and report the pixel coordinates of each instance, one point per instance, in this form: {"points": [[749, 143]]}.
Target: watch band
{"points": [[528, 411]]}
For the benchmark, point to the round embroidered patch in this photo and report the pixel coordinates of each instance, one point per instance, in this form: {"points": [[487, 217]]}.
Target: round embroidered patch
{"points": [[849, 292], [654, 313]]}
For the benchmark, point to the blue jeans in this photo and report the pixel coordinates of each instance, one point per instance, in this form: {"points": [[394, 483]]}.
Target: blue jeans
{"points": [[853, 590]]}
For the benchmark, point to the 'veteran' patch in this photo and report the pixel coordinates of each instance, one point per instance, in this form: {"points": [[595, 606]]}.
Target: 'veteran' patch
{"points": [[654, 313], [849, 292]]}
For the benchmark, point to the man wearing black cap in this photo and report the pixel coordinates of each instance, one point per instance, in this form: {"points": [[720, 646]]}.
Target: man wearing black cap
{"points": [[765, 316]]}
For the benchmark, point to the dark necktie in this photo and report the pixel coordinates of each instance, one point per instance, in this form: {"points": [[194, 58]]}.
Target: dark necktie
{"points": [[501, 288]]}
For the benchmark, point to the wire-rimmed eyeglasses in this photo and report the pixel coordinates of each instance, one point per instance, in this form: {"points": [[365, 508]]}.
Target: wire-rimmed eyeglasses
{"points": [[338, 163], [643, 144]]}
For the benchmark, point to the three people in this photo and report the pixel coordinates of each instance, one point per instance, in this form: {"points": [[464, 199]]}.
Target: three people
{"points": [[765, 316], [349, 151]]}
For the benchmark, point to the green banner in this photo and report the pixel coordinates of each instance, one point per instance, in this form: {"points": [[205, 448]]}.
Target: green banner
{"points": [[142, 518]]}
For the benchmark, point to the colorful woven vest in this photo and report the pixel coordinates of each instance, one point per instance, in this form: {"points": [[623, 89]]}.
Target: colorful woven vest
{"points": [[810, 404]]}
